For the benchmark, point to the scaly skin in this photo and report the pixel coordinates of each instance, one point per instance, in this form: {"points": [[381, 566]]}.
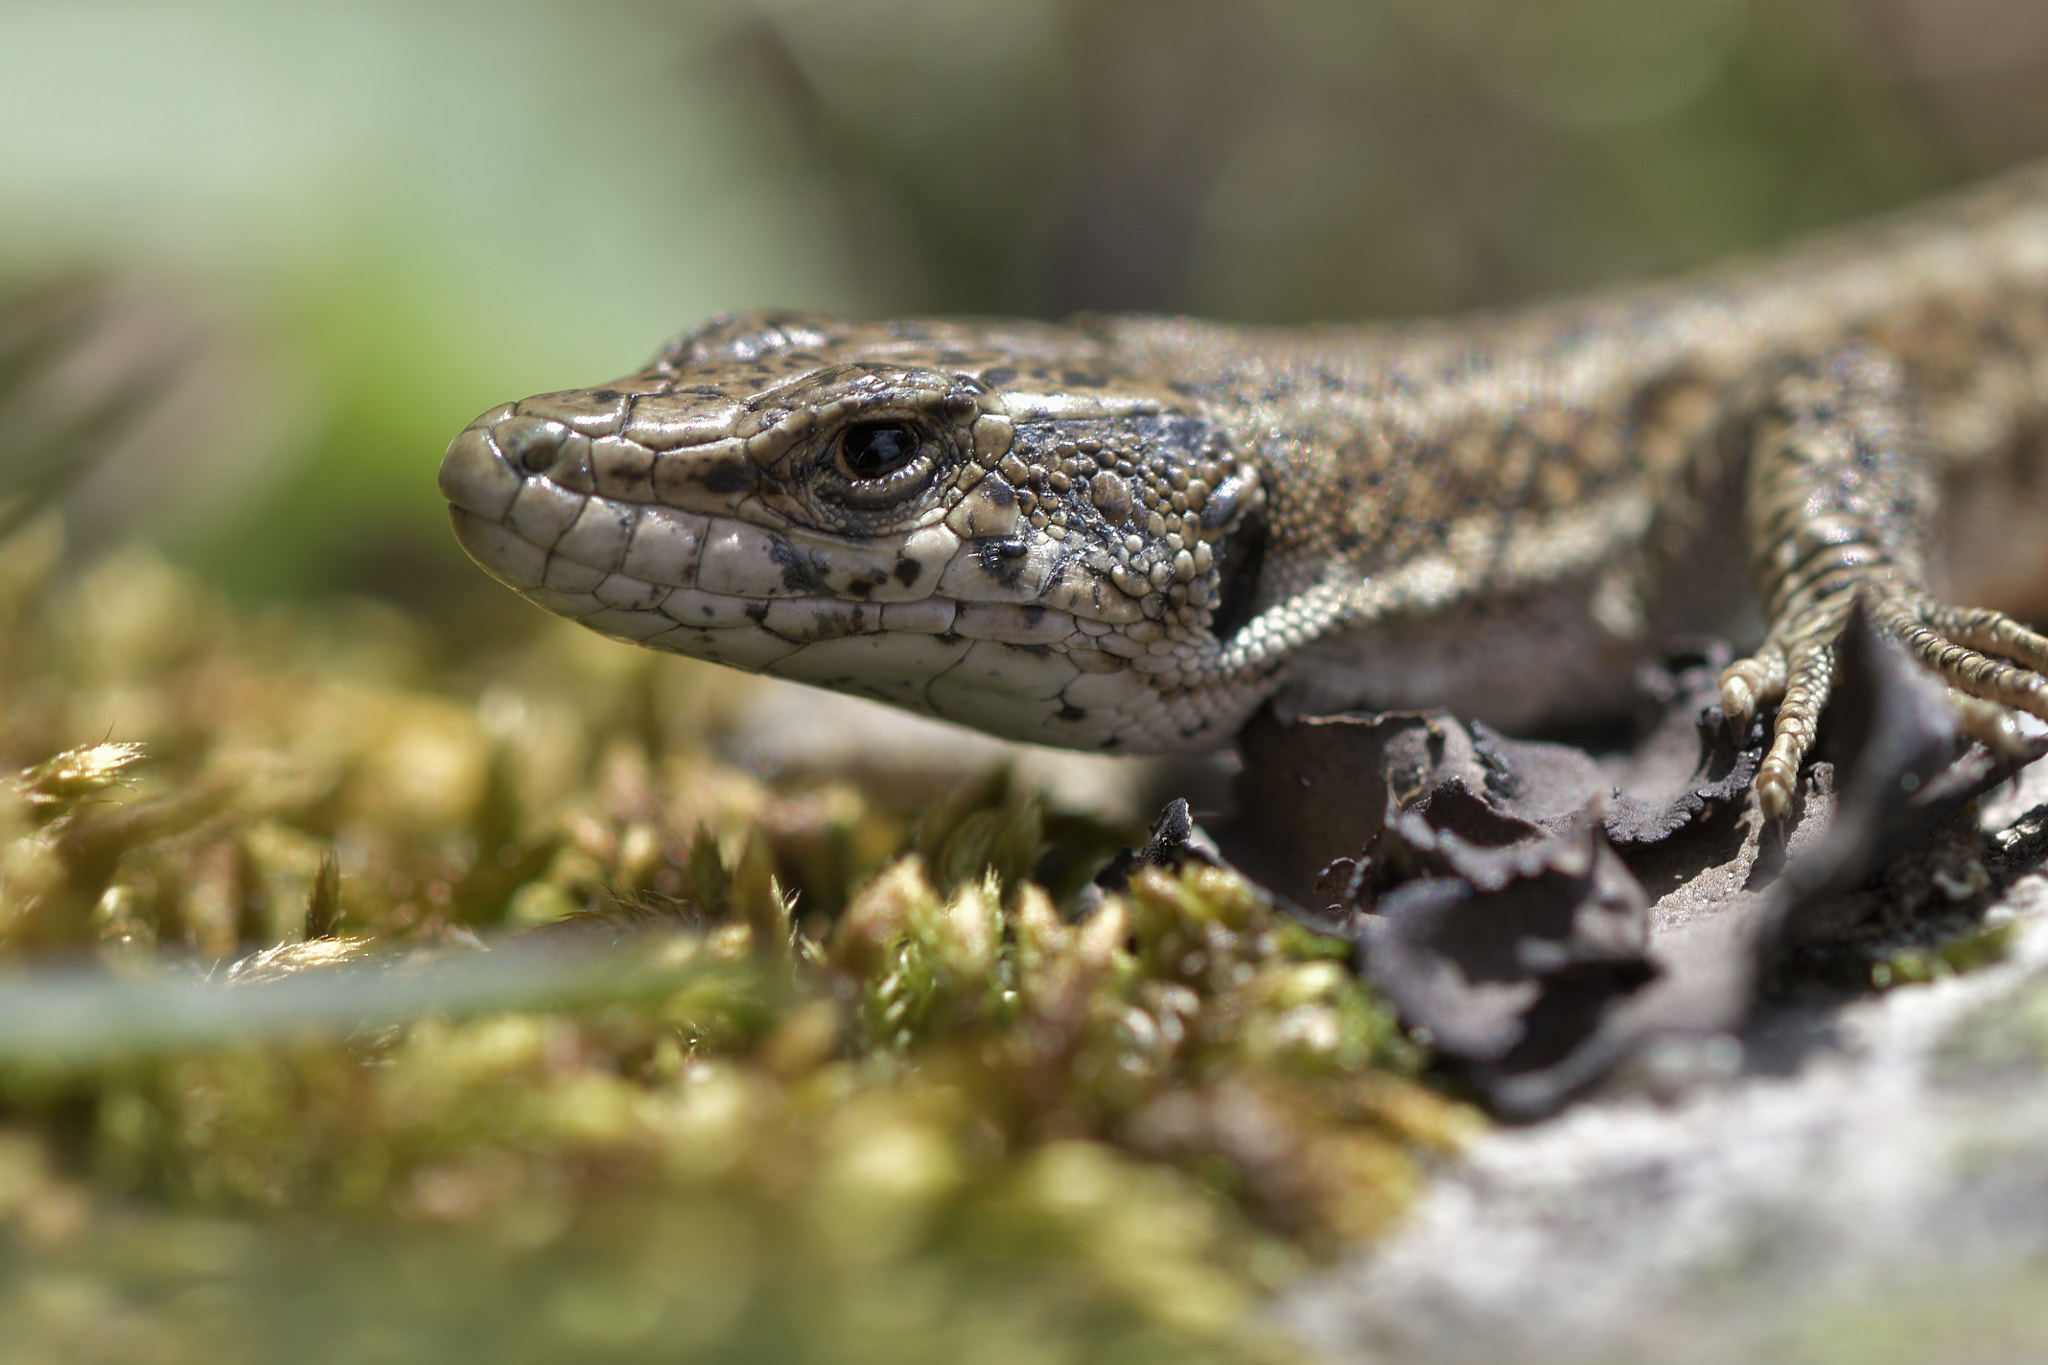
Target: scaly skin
{"points": [[1127, 533]]}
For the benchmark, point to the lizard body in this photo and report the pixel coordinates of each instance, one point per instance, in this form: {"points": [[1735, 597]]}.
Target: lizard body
{"points": [[1127, 533]]}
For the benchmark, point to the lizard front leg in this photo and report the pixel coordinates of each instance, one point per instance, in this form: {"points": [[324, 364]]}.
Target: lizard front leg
{"points": [[1841, 496]]}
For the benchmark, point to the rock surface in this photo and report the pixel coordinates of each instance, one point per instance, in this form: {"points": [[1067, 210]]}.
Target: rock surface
{"points": [[1862, 1180]]}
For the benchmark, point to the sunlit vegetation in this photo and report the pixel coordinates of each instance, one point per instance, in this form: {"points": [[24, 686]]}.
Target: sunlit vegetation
{"points": [[489, 1014]]}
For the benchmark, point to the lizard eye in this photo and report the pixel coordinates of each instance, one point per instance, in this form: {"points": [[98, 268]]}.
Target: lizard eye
{"points": [[875, 450], [877, 466]]}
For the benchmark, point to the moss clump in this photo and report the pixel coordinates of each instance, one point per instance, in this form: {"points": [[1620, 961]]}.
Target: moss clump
{"points": [[1919, 963], [477, 1008]]}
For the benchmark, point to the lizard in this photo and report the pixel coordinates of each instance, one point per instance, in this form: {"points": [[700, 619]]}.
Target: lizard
{"points": [[1126, 533]]}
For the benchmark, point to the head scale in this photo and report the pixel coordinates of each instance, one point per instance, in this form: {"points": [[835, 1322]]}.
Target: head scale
{"points": [[983, 522]]}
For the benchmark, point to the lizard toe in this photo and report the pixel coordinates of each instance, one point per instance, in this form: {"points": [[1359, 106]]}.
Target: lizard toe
{"points": [[1809, 677], [1990, 632], [1996, 727], [1964, 646], [1752, 683]]}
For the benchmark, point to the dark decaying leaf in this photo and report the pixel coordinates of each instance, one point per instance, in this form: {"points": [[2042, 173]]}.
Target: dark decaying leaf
{"points": [[1303, 805], [1509, 973], [1689, 764], [1493, 883], [1171, 843]]}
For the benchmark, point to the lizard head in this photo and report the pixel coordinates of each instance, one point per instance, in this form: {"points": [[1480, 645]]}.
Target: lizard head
{"points": [[985, 522]]}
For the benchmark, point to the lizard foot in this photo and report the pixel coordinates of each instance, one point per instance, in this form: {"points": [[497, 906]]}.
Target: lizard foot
{"points": [[1993, 665]]}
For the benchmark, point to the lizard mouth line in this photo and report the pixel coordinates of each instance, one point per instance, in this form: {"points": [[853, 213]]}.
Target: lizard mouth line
{"points": [[619, 603], [1068, 680]]}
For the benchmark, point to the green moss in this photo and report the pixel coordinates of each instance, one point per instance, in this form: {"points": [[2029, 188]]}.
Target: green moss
{"points": [[483, 1011], [1930, 962], [1948, 1316]]}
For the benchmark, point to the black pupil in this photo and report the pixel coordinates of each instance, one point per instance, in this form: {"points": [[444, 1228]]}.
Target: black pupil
{"points": [[877, 449]]}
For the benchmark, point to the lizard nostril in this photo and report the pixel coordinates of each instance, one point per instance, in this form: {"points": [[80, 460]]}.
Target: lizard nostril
{"points": [[529, 443]]}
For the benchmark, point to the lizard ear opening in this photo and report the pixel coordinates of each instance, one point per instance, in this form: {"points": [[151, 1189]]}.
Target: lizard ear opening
{"points": [[1240, 556]]}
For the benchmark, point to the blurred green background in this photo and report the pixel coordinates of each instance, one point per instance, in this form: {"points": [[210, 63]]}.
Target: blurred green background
{"points": [[363, 223]]}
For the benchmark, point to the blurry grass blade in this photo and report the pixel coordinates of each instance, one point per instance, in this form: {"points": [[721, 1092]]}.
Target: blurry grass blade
{"points": [[72, 379], [989, 823], [82, 1016], [323, 907], [760, 897]]}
